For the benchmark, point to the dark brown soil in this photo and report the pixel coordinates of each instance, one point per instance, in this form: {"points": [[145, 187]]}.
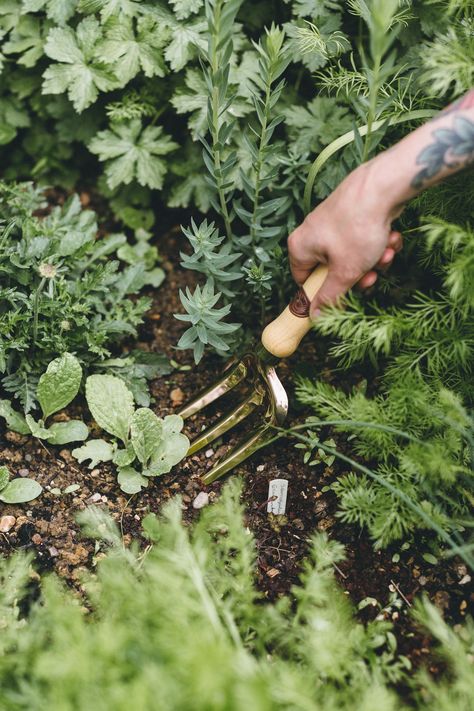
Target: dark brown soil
{"points": [[47, 525]]}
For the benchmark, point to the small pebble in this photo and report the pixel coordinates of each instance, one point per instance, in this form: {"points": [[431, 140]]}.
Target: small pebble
{"points": [[176, 397], [273, 572], [23, 472], [95, 497], [7, 523], [201, 500], [209, 453], [422, 580], [261, 467], [28, 457], [36, 539], [53, 552], [95, 472], [466, 579]]}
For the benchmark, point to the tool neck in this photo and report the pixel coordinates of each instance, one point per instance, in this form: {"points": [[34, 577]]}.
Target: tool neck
{"points": [[265, 356]]}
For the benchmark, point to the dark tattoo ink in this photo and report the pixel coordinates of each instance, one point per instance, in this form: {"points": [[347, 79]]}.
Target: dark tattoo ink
{"points": [[452, 148]]}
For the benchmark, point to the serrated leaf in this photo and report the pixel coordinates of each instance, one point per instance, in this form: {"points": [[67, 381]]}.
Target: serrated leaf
{"points": [[15, 421], [97, 450], [60, 384], [66, 432], [132, 152], [111, 404], [78, 72], [131, 481], [131, 51], [20, 490], [146, 431]]}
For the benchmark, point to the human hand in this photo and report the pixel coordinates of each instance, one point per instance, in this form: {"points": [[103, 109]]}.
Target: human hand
{"points": [[351, 232]]}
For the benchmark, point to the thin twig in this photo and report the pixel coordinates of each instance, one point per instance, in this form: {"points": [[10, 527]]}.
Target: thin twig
{"points": [[400, 593]]}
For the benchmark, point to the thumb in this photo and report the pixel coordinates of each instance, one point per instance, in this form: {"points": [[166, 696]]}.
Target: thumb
{"points": [[332, 290]]}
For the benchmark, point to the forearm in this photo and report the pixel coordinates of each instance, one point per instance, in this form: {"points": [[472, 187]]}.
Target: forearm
{"points": [[434, 151]]}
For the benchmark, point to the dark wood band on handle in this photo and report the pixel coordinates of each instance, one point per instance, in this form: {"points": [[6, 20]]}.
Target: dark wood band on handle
{"points": [[299, 305], [282, 336]]}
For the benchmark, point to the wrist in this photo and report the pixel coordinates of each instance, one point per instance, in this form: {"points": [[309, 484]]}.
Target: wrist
{"points": [[385, 180]]}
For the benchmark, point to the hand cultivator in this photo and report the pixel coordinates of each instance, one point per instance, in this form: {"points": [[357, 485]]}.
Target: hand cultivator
{"points": [[256, 373]]}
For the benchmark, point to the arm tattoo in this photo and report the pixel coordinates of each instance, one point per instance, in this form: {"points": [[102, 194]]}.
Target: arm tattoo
{"points": [[451, 148]]}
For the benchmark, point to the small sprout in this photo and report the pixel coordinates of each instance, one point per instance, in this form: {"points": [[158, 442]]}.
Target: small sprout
{"points": [[71, 488]]}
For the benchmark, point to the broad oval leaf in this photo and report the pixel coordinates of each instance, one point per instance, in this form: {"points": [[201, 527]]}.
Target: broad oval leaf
{"points": [[20, 490], [146, 433], [15, 421], [59, 384], [124, 457], [131, 481], [111, 404], [65, 432], [172, 449]]}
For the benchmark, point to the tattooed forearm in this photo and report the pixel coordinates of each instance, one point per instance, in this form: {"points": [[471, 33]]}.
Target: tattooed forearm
{"points": [[452, 148]]}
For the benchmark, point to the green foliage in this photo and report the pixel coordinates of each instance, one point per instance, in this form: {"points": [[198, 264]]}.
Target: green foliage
{"points": [[206, 321], [433, 333], [201, 636], [153, 444], [137, 84], [132, 153], [56, 389], [60, 290], [17, 491], [421, 438], [255, 171]]}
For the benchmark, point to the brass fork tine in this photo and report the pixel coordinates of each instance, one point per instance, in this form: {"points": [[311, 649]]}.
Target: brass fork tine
{"points": [[240, 453], [228, 421], [222, 386]]}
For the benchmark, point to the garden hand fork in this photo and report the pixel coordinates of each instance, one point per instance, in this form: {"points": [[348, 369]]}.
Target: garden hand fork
{"points": [[264, 390]]}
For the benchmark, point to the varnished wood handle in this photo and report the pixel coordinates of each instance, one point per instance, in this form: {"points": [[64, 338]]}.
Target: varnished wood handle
{"points": [[283, 335]]}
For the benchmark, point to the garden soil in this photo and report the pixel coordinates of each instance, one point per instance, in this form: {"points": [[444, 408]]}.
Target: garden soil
{"points": [[47, 526]]}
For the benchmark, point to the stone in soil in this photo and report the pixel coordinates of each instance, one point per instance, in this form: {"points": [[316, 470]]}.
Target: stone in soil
{"points": [[7, 523], [201, 500]]}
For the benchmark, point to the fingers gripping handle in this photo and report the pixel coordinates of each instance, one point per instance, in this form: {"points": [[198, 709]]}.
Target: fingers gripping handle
{"points": [[283, 335]]}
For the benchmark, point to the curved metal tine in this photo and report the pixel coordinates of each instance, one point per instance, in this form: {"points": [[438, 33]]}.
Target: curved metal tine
{"points": [[240, 453], [229, 420], [222, 386]]}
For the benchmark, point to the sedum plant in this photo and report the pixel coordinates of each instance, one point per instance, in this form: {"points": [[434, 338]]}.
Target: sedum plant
{"points": [[151, 445], [202, 638], [57, 388]]}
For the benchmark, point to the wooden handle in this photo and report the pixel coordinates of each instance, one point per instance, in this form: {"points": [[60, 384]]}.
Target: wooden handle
{"points": [[283, 335]]}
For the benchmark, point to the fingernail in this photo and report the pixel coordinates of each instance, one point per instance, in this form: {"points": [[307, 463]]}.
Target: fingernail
{"points": [[315, 313]]}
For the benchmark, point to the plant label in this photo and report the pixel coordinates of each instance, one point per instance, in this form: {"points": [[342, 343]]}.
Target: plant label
{"points": [[277, 493]]}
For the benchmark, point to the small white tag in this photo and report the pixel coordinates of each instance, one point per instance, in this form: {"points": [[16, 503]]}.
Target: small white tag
{"points": [[277, 492]]}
